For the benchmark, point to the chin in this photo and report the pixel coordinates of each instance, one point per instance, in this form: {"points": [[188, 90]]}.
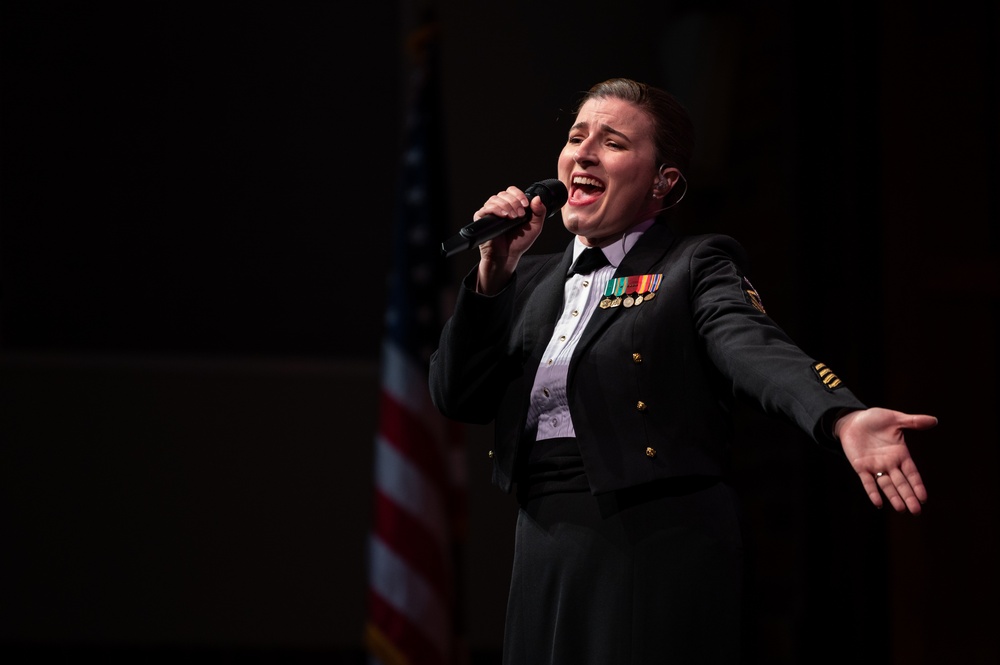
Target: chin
{"points": [[574, 222]]}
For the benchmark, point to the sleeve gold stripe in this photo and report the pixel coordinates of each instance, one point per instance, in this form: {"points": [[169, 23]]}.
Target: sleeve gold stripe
{"points": [[826, 376]]}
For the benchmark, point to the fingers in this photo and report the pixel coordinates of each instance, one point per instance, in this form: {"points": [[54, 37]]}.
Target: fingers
{"points": [[902, 487], [510, 203], [920, 422], [897, 490], [909, 469], [871, 487]]}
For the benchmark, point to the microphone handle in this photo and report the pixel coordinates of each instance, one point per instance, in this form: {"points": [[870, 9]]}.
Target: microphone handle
{"points": [[457, 243], [483, 229]]}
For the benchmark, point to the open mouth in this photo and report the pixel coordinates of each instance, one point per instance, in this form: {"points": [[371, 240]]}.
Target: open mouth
{"points": [[585, 189]]}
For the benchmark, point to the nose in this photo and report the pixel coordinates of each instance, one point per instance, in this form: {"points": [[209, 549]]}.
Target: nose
{"points": [[585, 154]]}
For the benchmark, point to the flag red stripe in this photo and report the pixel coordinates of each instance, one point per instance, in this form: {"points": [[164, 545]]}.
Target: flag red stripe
{"points": [[409, 435], [411, 540]]}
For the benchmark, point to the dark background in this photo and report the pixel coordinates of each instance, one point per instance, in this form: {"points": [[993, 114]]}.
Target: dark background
{"points": [[194, 215]]}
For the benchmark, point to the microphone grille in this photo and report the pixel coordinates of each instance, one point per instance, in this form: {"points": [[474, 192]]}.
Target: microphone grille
{"points": [[552, 192]]}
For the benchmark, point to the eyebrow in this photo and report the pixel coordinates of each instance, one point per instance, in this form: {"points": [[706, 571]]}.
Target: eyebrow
{"points": [[604, 127]]}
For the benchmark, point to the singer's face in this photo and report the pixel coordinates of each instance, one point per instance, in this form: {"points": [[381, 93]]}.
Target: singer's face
{"points": [[609, 168]]}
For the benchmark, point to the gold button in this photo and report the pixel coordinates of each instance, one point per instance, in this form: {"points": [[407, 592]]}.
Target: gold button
{"points": [[562, 338], [576, 312], [490, 454], [640, 405], [545, 391], [650, 452], [586, 283], [637, 358]]}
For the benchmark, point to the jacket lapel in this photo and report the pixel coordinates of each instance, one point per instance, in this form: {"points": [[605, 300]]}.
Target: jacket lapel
{"points": [[649, 251]]}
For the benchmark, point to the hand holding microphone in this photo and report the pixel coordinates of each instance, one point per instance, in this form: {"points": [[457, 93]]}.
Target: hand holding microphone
{"points": [[553, 195]]}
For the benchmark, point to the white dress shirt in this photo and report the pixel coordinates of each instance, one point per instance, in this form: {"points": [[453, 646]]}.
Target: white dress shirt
{"points": [[549, 406]]}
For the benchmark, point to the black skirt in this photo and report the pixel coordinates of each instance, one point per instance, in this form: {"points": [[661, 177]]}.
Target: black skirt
{"points": [[651, 574]]}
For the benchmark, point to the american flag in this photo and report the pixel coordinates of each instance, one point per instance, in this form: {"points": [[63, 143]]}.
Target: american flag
{"points": [[419, 460]]}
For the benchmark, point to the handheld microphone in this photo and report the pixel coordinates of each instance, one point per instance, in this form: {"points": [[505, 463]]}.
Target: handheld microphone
{"points": [[553, 194]]}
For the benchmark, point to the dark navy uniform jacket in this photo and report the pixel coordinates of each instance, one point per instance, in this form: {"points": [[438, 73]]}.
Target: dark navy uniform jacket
{"points": [[651, 386]]}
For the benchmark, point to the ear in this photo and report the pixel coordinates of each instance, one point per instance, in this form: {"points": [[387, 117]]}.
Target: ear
{"points": [[666, 178]]}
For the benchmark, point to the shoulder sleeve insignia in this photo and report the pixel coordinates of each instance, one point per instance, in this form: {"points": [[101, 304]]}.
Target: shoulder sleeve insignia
{"points": [[752, 296], [827, 377]]}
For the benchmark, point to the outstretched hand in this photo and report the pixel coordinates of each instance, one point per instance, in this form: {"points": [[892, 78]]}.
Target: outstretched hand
{"points": [[873, 442]]}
